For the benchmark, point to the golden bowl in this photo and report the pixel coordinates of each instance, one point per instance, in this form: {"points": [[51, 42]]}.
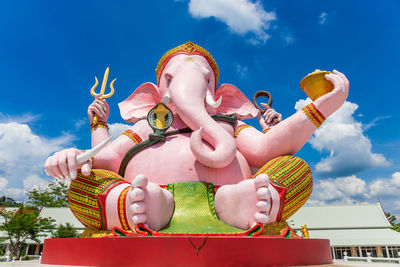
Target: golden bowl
{"points": [[315, 85]]}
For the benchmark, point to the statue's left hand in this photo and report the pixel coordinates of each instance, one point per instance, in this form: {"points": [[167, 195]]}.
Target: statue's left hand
{"points": [[269, 114], [333, 100]]}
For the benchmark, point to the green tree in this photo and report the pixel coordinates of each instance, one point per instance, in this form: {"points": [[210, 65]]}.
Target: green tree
{"points": [[391, 218], [8, 202], [55, 194], [21, 224], [65, 231]]}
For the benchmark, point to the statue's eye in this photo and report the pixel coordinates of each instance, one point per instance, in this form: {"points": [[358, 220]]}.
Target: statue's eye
{"points": [[154, 116], [208, 81], [169, 81]]}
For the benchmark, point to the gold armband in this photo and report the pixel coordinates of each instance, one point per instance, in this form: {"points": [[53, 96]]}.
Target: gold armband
{"points": [[240, 128], [313, 114], [97, 125], [133, 136]]}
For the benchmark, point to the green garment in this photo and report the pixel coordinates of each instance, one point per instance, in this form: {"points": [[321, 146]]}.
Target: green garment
{"points": [[195, 210]]}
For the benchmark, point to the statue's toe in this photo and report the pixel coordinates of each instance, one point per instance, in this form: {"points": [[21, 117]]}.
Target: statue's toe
{"points": [[139, 218], [263, 206], [262, 180], [136, 194], [149, 204], [138, 207], [140, 181], [137, 200], [263, 198], [261, 217]]}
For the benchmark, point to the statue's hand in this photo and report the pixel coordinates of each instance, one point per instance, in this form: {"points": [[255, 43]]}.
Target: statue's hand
{"points": [[270, 114], [333, 100], [99, 107], [63, 164]]}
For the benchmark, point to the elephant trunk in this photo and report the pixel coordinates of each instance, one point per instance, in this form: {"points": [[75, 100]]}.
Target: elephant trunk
{"points": [[188, 94]]}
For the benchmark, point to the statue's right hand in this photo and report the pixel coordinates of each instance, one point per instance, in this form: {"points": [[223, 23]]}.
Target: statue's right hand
{"points": [[100, 108], [63, 164]]}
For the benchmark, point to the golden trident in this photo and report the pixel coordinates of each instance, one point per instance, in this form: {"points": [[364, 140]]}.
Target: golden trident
{"points": [[103, 88]]}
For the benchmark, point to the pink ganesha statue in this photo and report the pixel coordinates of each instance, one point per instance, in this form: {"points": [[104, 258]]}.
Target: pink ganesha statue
{"points": [[189, 164]]}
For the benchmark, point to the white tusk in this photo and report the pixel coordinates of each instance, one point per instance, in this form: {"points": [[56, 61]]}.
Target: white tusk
{"points": [[166, 99], [82, 158], [210, 100]]}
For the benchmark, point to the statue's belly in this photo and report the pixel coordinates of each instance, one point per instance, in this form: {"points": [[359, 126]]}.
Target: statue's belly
{"points": [[173, 161]]}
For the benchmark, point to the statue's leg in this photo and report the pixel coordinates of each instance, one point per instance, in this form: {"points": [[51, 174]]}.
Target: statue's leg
{"points": [[290, 185], [104, 200], [277, 191]]}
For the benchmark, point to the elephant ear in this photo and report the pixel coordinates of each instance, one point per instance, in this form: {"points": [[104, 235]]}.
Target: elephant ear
{"points": [[235, 102], [139, 103]]}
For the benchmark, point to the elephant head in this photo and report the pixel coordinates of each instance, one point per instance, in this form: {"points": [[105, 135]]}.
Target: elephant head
{"points": [[187, 77]]}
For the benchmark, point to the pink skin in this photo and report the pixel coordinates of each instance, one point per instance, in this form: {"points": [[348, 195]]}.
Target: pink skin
{"points": [[239, 201], [244, 204], [145, 197], [289, 136], [188, 89]]}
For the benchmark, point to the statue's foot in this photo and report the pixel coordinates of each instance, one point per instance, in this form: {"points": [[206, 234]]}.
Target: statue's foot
{"points": [[149, 204], [244, 204]]}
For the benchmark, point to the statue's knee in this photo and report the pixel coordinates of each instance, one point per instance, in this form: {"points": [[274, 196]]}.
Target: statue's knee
{"points": [[292, 178], [286, 171], [87, 194]]}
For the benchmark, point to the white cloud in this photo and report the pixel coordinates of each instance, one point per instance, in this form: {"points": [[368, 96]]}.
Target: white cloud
{"points": [[396, 179], [322, 18], [241, 16], [22, 157], [340, 190], [374, 123], [79, 123], [116, 129], [3, 183], [386, 186], [15, 193], [287, 36], [24, 118], [350, 150], [20, 148], [23, 154], [34, 181], [241, 70], [352, 190]]}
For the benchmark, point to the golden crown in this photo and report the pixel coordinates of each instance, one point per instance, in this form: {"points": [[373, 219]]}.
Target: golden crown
{"points": [[188, 48]]}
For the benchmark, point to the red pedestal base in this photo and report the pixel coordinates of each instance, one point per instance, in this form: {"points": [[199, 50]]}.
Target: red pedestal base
{"points": [[181, 251]]}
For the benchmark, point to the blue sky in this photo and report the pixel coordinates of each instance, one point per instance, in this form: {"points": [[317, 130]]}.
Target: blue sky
{"points": [[50, 52]]}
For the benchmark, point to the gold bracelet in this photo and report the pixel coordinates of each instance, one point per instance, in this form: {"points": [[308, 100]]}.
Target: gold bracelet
{"points": [[313, 114], [240, 128], [97, 125]]}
